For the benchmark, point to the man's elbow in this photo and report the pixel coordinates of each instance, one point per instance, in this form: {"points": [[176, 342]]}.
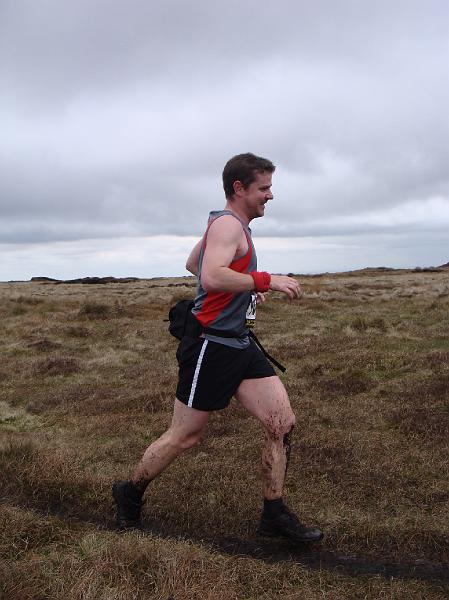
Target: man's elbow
{"points": [[209, 284], [192, 268]]}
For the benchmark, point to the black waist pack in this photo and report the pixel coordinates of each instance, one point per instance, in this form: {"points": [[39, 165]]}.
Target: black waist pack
{"points": [[182, 323], [179, 317]]}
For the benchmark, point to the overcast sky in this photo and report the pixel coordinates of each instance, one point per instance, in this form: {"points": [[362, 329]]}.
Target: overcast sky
{"points": [[116, 119]]}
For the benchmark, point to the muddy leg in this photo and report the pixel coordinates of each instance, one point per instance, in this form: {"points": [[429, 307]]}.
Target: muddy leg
{"points": [[184, 432], [275, 459], [267, 400]]}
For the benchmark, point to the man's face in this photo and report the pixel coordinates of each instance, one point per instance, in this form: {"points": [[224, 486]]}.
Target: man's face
{"points": [[257, 194]]}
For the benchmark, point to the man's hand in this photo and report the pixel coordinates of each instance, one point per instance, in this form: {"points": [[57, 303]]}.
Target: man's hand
{"points": [[287, 285]]}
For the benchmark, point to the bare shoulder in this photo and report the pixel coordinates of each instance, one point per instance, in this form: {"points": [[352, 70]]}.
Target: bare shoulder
{"points": [[226, 227]]}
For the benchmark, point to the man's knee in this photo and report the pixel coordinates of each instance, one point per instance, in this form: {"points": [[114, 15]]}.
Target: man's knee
{"points": [[183, 441], [280, 425]]}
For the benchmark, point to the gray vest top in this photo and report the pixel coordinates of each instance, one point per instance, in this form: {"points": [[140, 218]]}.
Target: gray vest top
{"points": [[226, 311]]}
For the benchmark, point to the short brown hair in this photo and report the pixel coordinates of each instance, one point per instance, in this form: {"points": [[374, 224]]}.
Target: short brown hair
{"points": [[243, 167]]}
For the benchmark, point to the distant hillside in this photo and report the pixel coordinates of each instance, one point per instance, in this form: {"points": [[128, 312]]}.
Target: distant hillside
{"points": [[86, 280], [110, 279]]}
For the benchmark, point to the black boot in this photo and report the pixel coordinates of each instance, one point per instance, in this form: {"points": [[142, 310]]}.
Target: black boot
{"points": [[129, 505], [279, 521]]}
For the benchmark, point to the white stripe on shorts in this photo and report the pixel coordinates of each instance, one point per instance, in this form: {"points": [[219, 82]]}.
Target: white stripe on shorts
{"points": [[197, 372]]}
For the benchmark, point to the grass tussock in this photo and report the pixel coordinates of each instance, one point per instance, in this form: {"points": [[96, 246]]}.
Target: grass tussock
{"points": [[95, 310], [78, 331], [64, 365], [44, 345], [362, 324], [88, 381]]}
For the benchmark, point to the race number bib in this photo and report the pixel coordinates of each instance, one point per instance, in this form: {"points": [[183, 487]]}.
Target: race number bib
{"points": [[251, 312]]}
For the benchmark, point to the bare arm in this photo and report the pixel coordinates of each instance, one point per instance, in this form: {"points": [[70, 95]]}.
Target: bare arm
{"points": [[192, 261], [223, 240]]}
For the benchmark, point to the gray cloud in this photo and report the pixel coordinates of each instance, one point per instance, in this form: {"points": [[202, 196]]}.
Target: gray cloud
{"points": [[117, 118]]}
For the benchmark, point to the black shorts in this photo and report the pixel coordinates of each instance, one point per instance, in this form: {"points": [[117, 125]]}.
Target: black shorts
{"points": [[210, 373]]}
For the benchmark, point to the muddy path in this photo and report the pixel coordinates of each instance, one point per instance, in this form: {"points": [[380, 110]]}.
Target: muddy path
{"points": [[314, 556]]}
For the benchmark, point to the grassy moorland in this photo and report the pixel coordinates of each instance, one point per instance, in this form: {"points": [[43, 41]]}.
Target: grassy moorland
{"points": [[87, 376]]}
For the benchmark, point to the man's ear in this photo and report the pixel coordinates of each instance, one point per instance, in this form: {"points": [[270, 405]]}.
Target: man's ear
{"points": [[238, 187]]}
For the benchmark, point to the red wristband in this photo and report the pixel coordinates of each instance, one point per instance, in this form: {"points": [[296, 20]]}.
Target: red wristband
{"points": [[262, 280]]}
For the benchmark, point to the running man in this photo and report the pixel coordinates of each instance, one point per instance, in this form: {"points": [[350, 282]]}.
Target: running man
{"points": [[222, 361]]}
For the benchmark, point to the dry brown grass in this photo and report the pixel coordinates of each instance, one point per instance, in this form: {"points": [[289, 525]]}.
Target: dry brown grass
{"points": [[87, 376]]}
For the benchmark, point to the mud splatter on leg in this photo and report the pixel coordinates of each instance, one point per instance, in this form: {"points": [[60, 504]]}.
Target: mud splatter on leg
{"points": [[287, 446]]}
